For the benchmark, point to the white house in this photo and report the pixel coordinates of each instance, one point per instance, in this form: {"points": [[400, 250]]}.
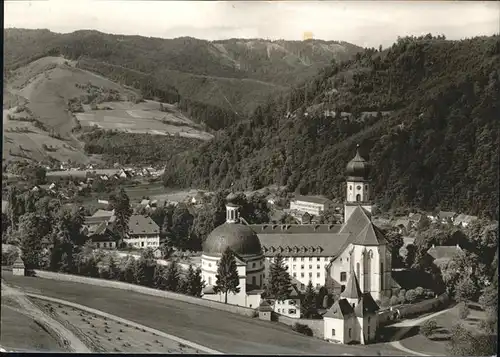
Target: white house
{"points": [[310, 204], [143, 232], [18, 268], [463, 220], [291, 306]]}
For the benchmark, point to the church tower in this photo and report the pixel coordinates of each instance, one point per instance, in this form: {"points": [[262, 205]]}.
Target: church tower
{"points": [[358, 188]]}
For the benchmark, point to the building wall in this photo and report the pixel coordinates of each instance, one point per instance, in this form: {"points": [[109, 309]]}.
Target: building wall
{"points": [[309, 207], [289, 308], [340, 265], [303, 269], [331, 324], [367, 328], [143, 241], [355, 188], [105, 245], [209, 271]]}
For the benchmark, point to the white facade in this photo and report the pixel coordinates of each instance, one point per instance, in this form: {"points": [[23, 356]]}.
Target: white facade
{"points": [[250, 272], [143, 241], [303, 269], [288, 308], [18, 271], [309, 207], [338, 330]]}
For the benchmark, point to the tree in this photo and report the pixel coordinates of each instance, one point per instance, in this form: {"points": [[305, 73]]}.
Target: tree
{"points": [[279, 285], [394, 243], [466, 290], [172, 276], [182, 220], [195, 283], [394, 300], [463, 311], [30, 239], [121, 204], [465, 343], [428, 327], [308, 304], [159, 277], [227, 279], [144, 268], [410, 255]]}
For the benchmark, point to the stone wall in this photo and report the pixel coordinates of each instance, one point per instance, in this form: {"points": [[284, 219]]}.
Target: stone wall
{"points": [[148, 291], [316, 326]]}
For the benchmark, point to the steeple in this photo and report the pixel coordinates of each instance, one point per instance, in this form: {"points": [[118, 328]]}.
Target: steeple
{"points": [[357, 185], [352, 291]]}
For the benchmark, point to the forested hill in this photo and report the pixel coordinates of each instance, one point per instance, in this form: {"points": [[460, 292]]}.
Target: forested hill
{"points": [[424, 111], [226, 79]]}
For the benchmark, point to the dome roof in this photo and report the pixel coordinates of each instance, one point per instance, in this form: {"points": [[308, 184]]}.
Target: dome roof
{"points": [[241, 239], [358, 167]]}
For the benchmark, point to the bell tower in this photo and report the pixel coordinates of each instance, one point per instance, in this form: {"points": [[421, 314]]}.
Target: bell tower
{"points": [[358, 188]]}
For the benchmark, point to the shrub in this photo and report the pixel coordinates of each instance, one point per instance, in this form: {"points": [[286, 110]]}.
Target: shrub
{"points": [[428, 328], [385, 301], [394, 300], [402, 293], [463, 311], [420, 291], [9, 257], [303, 329], [410, 296]]}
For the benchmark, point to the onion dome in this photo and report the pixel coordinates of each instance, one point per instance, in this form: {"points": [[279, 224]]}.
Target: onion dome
{"points": [[358, 168]]}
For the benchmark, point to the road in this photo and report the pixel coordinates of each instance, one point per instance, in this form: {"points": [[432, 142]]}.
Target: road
{"points": [[219, 330]]}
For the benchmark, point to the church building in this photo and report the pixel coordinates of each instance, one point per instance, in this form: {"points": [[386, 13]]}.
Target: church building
{"points": [[334, 256]]}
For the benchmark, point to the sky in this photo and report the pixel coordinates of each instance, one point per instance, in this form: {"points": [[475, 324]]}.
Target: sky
{"points": [[365, 23]]}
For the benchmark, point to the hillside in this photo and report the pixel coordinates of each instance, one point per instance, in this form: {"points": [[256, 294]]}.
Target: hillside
{"points": [[49, 101], [233, 75], [424, 112]]}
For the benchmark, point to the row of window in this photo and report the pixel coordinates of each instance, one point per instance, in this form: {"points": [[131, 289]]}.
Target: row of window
{"points": [[318, 275], [289, 302], [318, 259], [358, 187], [141, 244], [290, 311], [105, 245], [294, 267]]}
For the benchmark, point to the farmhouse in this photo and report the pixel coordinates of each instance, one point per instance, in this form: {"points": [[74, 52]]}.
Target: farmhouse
{"points": [[143, 232]]}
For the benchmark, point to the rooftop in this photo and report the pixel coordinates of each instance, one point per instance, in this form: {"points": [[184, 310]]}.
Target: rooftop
{"points": [[139, 224], [312, 199]]}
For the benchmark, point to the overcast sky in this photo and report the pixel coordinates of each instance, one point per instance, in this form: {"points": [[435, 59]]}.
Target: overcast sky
{"points": [[365, 23]]}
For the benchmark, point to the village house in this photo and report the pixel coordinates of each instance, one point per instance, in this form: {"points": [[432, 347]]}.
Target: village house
{"points": [[403, 226], [415, 219], [18, 268], [446, 217], [143, 232], [443, 254], [463, 220], [289, 307]]}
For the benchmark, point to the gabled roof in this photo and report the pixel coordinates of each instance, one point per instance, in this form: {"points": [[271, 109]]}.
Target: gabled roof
{"points": [[269, 228], [463, 218], [352, 290], [358, 220], [341, 309], [265, 306], [312, 199], [370, 235], [313, 244], [402, 222], [18, 263], [103, 213], [445, 214], [366, 306], [139, 224]]}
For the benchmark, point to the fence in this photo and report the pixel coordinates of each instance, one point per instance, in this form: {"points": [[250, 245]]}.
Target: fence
{"points": [[148, 291]]}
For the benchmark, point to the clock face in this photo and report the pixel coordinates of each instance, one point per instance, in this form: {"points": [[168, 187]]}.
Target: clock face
{"points": [[358, 188]]}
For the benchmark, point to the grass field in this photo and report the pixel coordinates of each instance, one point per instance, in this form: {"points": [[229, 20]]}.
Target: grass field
{"points": [[436, 344], [21, 332], [222, 331], [142, 118], [101, 334]]}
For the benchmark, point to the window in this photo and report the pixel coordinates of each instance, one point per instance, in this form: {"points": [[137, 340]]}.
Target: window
{"points": [[358, 188], [341, 260], [279, 310], [142, 244], [310, 259], [342, 288], [310, 275], [294, 275], [302, 286], [357, 270], [294, 259], [318, 286], [310, 266], [254, 280], [318, 259], [253, 265], [343, 276], [366, 187], [209, 265], [333, 332], [358, 198], [104, 245], [302, 266], [368, 320], [350, 188], [318, 275], [292, 311], [302, 259], [350, 331], [291, 302], [317, 267], [301, 275], [294, 266], [368, 331]]}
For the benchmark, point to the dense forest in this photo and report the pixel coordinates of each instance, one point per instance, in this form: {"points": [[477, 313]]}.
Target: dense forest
{"points": [[424, 112], [227, 78]]}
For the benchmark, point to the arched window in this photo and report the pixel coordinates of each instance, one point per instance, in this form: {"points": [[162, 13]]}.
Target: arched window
{"points": [[254, 280], [358, 197], [209, 280], [357, 270], [350, 187], [381, 276]]}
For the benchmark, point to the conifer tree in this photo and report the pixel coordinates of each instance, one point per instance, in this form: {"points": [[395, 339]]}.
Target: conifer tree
{"points": [[172, 276], [308, 304], [280, 284], [123, 211], [227, 279], [195, 283]]}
